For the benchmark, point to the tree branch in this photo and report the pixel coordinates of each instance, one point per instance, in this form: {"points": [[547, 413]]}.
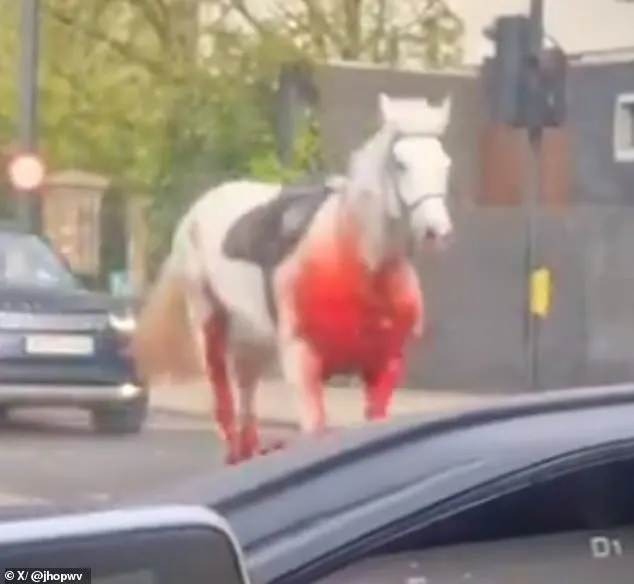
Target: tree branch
{"points": [[378, 32], [156, 13], [321, 28], [124, 50], [241, 8], [351, 48]]}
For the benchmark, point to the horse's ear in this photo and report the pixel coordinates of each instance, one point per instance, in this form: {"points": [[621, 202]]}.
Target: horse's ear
{"points": [[385, 106]]}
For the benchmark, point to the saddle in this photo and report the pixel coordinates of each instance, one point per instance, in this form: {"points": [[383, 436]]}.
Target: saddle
{"points": [[268, 233]]}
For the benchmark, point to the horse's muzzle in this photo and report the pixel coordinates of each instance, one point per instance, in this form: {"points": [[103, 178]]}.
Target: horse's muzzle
{"points": [[438, 241]]}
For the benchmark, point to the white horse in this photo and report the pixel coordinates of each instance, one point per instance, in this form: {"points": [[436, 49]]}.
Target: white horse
{"points": [[321, 278]]}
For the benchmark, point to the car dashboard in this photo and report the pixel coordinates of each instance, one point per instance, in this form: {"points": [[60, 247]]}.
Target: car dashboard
{"points": [[527, 491], [578, 557], [578, 527]]}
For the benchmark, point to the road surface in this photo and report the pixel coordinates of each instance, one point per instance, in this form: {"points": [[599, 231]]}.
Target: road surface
{"points": [[49, 456]]}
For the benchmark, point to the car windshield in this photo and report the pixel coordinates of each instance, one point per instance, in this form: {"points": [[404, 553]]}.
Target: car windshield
{"points": [[25, 260], [287, 218]]}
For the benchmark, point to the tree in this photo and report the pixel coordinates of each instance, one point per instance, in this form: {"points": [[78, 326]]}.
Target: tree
{"points": [[134, 99], [102, 98], [126, 92], [353, 30], [258, 37], [98, 109], [210, 116]]}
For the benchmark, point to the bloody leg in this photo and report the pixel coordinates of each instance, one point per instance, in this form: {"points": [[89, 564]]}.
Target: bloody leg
{"points": [[224, 411]]}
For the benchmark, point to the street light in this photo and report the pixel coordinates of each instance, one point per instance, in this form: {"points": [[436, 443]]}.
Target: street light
{"points": [[28, 209]]}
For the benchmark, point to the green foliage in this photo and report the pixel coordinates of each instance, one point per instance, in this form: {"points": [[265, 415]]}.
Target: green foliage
{"points": [[266, 166], [99, 110], [8, 71], [307, 152], [440, 33]]}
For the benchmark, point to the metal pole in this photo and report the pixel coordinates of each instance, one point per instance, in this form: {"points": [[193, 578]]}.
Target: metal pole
{"points": [[286, 111], [532, 253], [28, 203], [535, 131]]}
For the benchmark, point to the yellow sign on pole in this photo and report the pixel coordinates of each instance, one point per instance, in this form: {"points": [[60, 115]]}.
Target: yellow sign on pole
{"points": [[540, 292]]}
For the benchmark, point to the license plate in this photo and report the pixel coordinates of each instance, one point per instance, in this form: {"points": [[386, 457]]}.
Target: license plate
{"points": [[60, 345]]}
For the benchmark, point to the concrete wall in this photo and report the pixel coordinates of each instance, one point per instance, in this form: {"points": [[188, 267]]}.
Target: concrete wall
{"points": [[475, 297]]}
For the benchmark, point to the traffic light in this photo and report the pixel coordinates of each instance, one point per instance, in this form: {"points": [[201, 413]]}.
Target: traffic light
{"points": [[504, 71], [525, 90]]}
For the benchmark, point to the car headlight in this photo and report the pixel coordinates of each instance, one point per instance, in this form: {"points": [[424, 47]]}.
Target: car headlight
{"points": [[122, 323]]}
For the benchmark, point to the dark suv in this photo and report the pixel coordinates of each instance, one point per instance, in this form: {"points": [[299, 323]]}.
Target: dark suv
{"points": [[60, 343]]}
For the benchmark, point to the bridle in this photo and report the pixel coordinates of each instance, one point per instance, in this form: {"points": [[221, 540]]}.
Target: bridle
{"points": [[406, 210]]}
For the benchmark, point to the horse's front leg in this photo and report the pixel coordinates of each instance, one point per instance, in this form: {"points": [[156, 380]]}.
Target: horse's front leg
{"points": [[408, 288], [382, 376], [301, 366], [303, 371], [380, 381]]}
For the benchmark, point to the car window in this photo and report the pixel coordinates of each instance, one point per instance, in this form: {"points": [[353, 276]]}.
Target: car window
{"points": [[25, 260]]}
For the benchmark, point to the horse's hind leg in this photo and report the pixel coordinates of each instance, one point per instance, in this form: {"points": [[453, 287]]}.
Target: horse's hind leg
{"points": [[249, 363], [216, 345]]}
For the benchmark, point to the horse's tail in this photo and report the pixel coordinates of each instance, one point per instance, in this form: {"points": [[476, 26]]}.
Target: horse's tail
{"points": [[164, 345]]}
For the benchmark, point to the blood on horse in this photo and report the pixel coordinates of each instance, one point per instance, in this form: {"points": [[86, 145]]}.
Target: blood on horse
{"points": [[354, 317]]}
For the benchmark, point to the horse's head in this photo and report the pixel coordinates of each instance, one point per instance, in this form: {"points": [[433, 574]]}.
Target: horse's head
{"points": [[418, 166]]}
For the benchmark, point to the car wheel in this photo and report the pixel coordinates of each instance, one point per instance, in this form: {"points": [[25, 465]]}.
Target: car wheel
{"points": [[120, 419]]}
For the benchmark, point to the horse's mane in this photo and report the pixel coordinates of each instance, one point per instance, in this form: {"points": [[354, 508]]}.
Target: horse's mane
{"points": [[366, 189], [366, 171]]}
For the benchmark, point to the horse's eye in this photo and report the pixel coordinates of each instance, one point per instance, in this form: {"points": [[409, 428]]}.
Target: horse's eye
{"points": [[399, 165]]}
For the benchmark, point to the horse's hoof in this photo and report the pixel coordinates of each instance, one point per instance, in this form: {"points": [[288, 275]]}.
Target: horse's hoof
{"points": [[274, 446], [249, 444], [234, 455], [232, 460], [278, 445]]}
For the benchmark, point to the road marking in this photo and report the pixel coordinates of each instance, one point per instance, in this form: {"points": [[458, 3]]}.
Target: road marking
{"points": [[98, 497], [12, 499]]}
